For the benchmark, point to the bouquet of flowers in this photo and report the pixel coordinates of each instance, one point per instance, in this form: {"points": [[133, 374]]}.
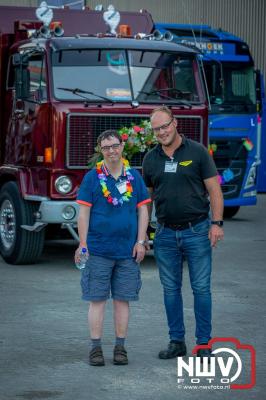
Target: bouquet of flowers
{"points": [[138, 138]]}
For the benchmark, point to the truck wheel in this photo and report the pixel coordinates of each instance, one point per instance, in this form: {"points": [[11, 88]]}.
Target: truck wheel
{"points": [[230, 212], [18, 246]]}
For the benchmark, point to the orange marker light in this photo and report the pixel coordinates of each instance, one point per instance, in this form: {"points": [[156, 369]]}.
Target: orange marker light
{"points": [[124, 30], [48, 155]]}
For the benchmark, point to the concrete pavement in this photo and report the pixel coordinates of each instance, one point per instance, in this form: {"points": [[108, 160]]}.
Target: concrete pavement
{"points": [[44, 338]]}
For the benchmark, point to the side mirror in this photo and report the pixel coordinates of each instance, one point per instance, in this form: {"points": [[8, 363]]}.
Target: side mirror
{"points": [[22, 76], [22, 83], [20, 60]]}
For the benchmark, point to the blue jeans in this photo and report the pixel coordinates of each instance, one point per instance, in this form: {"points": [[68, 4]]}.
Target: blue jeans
{"points": [[170, 248]]}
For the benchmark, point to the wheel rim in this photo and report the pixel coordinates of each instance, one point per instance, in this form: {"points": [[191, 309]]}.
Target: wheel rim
{"points": [[7, 224]]}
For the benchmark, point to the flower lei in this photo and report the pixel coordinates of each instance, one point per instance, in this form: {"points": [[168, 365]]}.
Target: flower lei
{"points": [[107, 194]]}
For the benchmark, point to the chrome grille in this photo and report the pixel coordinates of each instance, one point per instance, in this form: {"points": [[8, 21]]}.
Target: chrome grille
{"points": [[83, 130]]}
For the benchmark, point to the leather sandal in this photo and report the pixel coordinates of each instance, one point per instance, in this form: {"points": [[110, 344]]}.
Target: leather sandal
{"points": [[96, 357], [120, 355]]}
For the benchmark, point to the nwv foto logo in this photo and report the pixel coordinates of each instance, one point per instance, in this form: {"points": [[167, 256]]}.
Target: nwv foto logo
{"points": [[224, 362]]}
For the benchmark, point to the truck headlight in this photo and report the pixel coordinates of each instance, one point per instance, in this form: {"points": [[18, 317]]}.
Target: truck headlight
{"points": [[251, 178], [63, 184]]}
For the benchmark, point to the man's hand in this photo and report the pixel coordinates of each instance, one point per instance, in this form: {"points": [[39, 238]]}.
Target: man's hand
{"points": [[139, 252], [147, 246], [216, 234], [78, 251]]}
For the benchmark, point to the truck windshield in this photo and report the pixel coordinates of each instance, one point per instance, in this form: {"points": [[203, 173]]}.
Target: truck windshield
{"points": [[231, 87], [126, 75]]}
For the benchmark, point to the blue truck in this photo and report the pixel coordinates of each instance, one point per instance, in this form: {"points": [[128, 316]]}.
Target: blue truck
{"points": [[237, 104]]}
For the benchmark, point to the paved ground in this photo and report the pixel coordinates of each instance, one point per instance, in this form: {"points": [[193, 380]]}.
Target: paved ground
{"points": [[43, 332]]}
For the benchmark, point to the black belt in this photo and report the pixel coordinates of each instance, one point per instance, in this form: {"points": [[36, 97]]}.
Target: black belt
{"points": [[185, 225]]}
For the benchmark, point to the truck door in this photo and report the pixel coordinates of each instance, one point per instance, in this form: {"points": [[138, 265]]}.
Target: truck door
{"points": [[27, 78]]}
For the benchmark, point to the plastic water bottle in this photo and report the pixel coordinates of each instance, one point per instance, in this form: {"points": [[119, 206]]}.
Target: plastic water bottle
{"points": [[83, 258]]}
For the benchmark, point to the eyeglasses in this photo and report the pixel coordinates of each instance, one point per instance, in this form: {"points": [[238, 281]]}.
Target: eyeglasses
{"points": [[164, 126], [114, 146]]}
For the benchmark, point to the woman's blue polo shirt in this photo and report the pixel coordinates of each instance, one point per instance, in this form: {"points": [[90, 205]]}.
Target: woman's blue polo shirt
{"points": [[112, 229]]}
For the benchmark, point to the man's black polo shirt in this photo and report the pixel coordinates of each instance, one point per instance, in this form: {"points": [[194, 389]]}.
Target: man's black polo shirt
{"points": [[179, 196]]}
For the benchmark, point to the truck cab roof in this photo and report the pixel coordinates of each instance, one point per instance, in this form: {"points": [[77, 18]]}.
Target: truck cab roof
{"points": [[68, 43], [83, 43]]}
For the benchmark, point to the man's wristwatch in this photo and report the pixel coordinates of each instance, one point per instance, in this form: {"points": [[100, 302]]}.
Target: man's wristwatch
{"points": [[141, 242], [219, 223]]}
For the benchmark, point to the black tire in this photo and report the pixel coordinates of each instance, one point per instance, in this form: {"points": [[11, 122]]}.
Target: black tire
{"points": [[17, 245], [230, 212]]}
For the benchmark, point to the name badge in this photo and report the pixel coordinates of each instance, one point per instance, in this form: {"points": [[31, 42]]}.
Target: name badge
{"points": [[121, 186], [170, 166]]}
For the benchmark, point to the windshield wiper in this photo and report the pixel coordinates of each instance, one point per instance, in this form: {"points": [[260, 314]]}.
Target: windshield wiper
{"points": [[165, 96], [169, 89], [79, 93]]}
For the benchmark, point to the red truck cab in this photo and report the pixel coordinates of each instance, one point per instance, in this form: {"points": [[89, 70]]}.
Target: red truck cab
{"points": [[58, 93]]}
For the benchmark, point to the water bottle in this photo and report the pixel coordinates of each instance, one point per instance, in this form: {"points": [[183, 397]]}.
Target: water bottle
{"points": [[83, 258]]}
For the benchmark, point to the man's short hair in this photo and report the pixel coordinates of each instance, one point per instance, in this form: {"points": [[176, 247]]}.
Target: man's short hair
{"points": [[108, 134], [164, 109]]}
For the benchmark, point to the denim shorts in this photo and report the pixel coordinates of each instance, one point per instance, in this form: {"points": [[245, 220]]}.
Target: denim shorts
{"points": [[103, 276]]}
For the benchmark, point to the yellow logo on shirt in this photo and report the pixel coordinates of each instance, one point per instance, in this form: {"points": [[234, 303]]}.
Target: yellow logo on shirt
{"points": [[185, 163]]}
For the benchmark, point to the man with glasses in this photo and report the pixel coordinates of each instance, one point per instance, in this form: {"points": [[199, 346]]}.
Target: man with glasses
{"points": [[180, 175], [112, 224]]}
